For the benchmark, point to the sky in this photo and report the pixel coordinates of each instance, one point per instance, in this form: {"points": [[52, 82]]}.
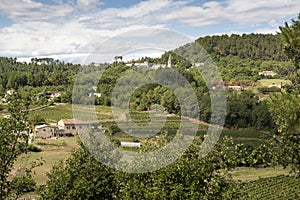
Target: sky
{"points": [[71, 30]]}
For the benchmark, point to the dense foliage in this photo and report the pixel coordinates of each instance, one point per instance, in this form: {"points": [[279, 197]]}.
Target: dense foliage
{"points": [[285, 108], [14, 136], [190, 177], [250, 46], [291, 38]]}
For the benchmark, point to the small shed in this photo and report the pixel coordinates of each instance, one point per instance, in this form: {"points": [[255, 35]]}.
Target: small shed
{"points": [[131, 144], [235, 87]]}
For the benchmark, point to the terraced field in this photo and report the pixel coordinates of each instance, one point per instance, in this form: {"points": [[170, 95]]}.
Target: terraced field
{"points": [[281, 187]]}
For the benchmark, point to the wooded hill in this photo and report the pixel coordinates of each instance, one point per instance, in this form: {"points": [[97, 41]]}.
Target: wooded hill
{"points": [[251, 46]]}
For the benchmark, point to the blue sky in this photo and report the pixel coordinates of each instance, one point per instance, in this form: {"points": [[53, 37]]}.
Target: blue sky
{"points": [[70, 29]]}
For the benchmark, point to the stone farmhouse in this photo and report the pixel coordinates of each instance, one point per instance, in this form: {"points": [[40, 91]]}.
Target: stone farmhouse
{"points": [[64, 127], [72, 126], [45, 131]]}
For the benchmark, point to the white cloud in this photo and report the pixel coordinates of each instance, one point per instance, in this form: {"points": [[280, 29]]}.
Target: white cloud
{"points": [[88, 4], [252, 5], [28, 10], [67, 29], [42, 38], [144, 8], [246, 12]]}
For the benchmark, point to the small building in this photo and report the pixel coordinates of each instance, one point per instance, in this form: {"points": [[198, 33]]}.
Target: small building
{"points": [[94, 88], [131, 144], [72, 126], [144, 64], [45, 131], [157, 66], [198, 64], [55, 95], [95, 94], [235, 87], [10, 92], [267, 73], [275, 85], [170, 61], [129, 64]]}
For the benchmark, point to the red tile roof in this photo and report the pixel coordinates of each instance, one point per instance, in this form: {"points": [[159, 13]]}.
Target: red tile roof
{"points": [[74, 121]]}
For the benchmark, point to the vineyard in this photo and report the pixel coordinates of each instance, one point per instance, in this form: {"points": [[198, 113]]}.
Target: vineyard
{"points": [[277, 188]]}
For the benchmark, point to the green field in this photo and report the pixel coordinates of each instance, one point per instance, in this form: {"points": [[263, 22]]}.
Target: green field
{"points": [[55, 113], [53, 150], [281, 187], [267, 82]]}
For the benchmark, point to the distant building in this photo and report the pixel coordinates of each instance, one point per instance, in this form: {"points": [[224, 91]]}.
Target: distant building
{"points": [[55, 95], [45, 131], [267, 73], [275, 85], [94, 88], [10, 92], [198, 64], [235, 87], [72, 126], [170, 61], [157, 66], [95, 94], [144, 64], [131, 144]]}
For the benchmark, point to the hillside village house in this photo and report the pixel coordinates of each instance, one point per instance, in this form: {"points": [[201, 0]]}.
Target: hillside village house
{"points": [[72, 126], [64, 127], [55, 95], [45, 131], [267, 73], [235, 87]]}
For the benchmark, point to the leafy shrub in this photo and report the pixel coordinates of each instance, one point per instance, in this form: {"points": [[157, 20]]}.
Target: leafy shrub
{"points": [[265, 90], [22, 184], [33, 148]]}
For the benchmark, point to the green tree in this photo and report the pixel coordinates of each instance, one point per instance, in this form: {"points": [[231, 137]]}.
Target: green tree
{"points": [[285, 108], [190, 177], [291, 37], [14, 133], [285, 111], [81, 177]]}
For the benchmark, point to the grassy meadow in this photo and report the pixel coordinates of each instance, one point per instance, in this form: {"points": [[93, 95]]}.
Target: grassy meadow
{"points": [[53, 151], [267, 82]]}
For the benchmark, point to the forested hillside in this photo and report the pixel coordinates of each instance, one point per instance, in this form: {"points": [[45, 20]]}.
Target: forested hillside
{"points": [[251, 46], [39, 72]]}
